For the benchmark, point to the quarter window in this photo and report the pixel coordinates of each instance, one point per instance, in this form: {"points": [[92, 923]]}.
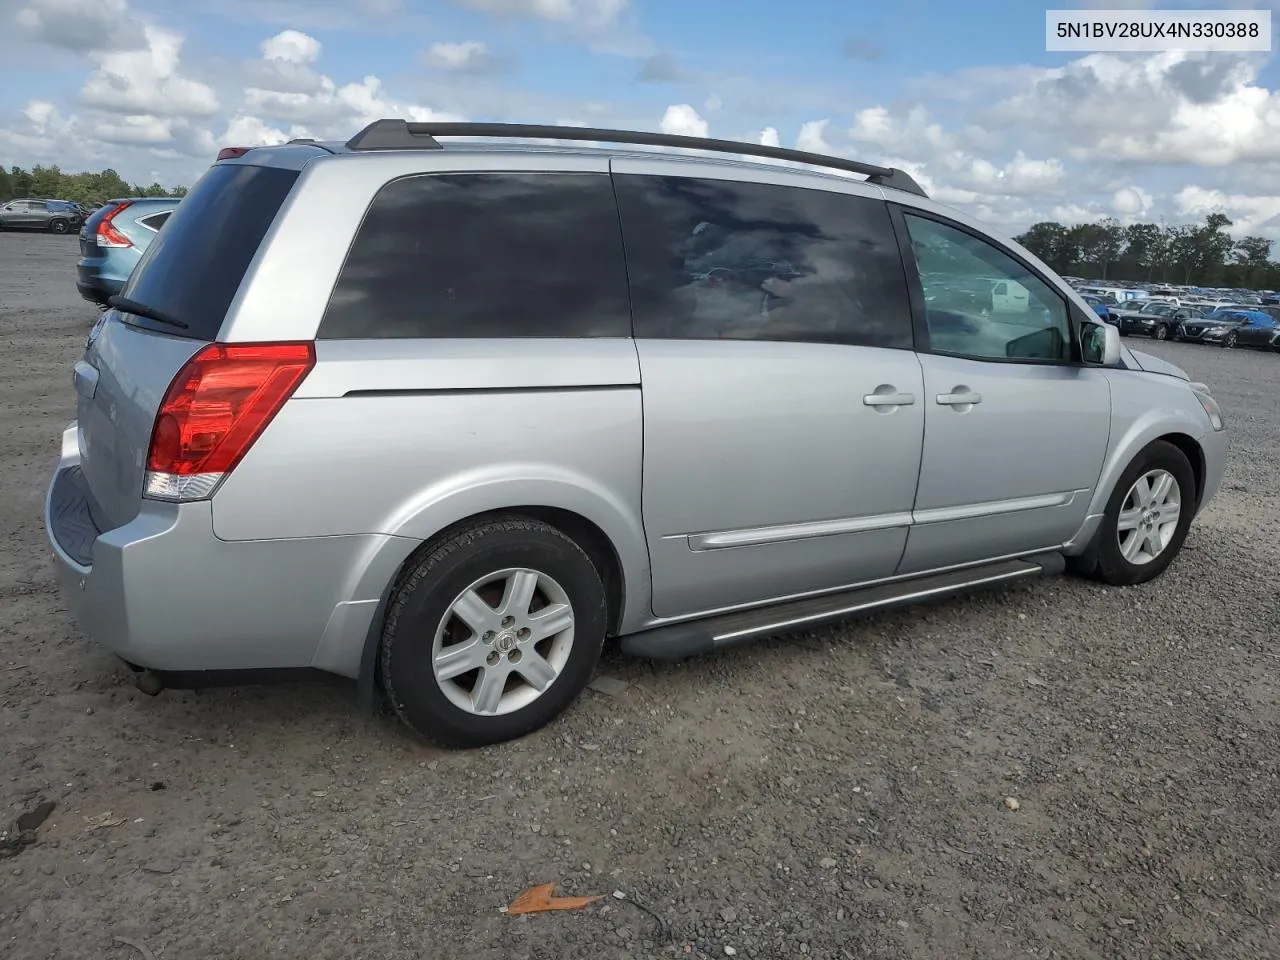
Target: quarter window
{"points": [[717, 259], [485, 255], [981, 303]]}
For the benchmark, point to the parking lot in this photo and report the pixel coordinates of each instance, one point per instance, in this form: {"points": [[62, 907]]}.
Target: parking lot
{"points": [[839, 793]]}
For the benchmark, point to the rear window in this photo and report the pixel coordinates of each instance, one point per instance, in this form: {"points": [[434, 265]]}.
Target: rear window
{"points": [[485, 255], [192, 270]]}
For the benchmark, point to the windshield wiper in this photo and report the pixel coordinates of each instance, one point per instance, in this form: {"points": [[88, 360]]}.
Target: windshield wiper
{"points": [[142, 310]]}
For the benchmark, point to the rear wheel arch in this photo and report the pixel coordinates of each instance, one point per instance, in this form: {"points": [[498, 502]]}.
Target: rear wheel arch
{"points": [[587, 534]]}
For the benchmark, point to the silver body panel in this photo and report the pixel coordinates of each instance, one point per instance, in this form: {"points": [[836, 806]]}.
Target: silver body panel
{"points": [[725, 474]]}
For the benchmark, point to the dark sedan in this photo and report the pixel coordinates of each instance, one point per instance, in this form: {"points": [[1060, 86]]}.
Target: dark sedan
{"points": [[1231, 328], [1157, 320]]}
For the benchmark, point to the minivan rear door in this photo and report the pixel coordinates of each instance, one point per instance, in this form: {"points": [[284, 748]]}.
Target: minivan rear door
{"points": [[182, 288]]}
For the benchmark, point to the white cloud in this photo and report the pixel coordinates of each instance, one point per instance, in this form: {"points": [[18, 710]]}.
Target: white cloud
{"points": [[597, 12], [467, 56], [147, 81], [81, 25], [135, 130], [1131, 201], [682, 120], [291, 46], [41, 113], [1249, 214], [769, 137], [246, 131], [812, 139]]}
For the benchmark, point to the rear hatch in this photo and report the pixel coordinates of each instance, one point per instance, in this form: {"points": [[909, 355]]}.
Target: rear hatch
{"points": [[180, 293], [89, 248]]}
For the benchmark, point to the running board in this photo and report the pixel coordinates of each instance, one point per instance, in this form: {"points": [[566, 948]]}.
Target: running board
{"points": [[694, 637]]}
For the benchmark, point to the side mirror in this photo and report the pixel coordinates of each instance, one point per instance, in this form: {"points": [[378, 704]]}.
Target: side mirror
{"points": [[1101, 344]]}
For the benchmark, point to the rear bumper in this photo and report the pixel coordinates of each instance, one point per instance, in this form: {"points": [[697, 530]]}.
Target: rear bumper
{"points": [[163, 592], [94, 287]]}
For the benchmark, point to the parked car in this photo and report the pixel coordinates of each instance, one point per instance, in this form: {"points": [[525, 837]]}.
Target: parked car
{"points": [[55, 216], [1156, 319], [1231, 328], [415, 414], [1101, 305], [113, 240]]}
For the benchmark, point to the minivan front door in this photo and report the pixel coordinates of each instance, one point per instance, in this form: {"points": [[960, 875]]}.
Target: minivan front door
{"points": [[1015, 430], [783, 405]]}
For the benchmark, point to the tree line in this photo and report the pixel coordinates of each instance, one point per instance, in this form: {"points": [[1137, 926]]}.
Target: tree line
{"points": [[91, 189], [1201, 254]]}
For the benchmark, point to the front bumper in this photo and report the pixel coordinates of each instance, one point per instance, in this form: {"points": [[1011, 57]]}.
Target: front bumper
{"points": [[1135, 325], [1214, 445], [163, 592], [1198, 333]]}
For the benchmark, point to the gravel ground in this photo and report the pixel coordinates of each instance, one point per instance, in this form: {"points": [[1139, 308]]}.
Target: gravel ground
{"points": [[838, 794]]}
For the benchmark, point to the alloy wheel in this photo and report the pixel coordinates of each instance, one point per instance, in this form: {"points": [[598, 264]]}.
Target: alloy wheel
{"points": [[503, 642], [1149, 516]]}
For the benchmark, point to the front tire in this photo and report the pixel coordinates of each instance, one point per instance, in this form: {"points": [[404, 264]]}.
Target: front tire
{"points": [[493, 633], [1161, 332], [1230, 340], [58, 226], [1147, 518]]}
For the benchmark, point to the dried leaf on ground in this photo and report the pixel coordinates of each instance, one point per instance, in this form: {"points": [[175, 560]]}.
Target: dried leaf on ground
{"points": [[539, 899], [104, 820]]}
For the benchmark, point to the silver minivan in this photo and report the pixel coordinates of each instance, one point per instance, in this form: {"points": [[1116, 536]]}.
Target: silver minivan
{"points": [[448, 418]]}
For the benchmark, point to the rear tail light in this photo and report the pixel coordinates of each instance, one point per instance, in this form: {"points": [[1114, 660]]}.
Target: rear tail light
{"points": [[230, 153], [217, 406], [108, 235]]}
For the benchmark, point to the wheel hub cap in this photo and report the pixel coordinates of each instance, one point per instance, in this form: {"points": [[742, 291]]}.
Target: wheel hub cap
{"points": [[1149, 516], [503, 641]]}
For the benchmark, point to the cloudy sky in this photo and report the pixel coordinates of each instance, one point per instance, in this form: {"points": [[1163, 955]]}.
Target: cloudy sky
{"points": [[961, 94]]}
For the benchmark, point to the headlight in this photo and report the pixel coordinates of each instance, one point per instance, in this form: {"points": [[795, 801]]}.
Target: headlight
{"points": [[1211, 408]]}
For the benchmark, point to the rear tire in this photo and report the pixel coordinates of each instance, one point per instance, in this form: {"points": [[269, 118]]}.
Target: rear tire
{"points": [[494, 675], [1162, 523]]}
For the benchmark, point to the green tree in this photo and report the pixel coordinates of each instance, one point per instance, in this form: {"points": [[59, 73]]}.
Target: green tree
{"points": [[6, 185], [21, 182], [88, 187], [1047, 240]]}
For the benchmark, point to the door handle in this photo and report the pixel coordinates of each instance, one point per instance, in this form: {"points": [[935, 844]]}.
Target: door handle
{"points": [[959, 397], [889, 399]]}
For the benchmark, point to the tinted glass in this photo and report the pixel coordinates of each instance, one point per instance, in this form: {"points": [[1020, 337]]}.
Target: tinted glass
{"points": [[715, 259], [156, 220], [485, 255], [193, 269], [967, 317]]}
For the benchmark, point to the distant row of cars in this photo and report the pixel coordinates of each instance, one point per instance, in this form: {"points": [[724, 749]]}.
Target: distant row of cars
{"points": [[112, 237], [1230, 325], [42, 213]]}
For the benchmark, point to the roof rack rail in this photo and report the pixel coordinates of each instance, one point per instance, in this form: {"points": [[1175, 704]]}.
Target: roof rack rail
{"points": [[404, 135]]}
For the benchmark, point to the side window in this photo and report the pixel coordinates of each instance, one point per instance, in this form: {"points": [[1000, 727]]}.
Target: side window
{"points": [[718, 259], [485, 255], [155, 221], [961, 275]]}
